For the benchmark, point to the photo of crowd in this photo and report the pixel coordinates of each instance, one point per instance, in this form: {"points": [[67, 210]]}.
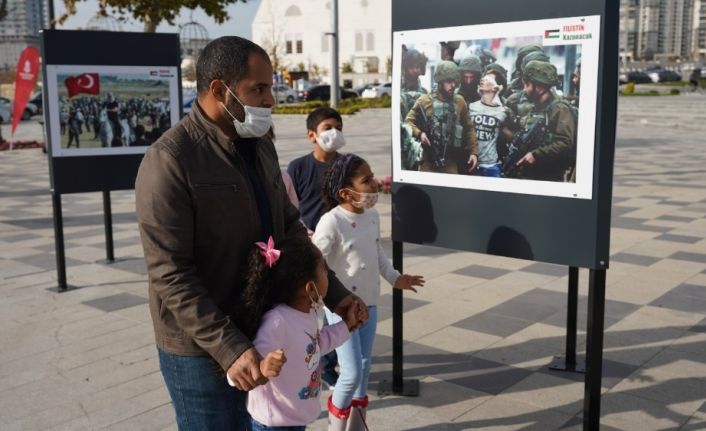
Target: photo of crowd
{"points": [[112, 110], [497, 107]]}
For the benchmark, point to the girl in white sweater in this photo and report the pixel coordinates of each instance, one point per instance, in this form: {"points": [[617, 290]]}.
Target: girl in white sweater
{"points": [[349, 238]]}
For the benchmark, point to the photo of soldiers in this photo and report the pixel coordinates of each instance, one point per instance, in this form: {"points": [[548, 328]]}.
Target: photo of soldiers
{"points": [[440, 121], [502, 112]]}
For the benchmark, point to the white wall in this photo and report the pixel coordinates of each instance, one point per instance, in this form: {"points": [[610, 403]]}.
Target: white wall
{"points": [[368, 20]]}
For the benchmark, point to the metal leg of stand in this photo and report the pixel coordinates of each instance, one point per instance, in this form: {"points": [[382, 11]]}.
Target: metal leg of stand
{"points": [[594, 350], [59, 241], [398, 386], [568, 362], [108, 219]]}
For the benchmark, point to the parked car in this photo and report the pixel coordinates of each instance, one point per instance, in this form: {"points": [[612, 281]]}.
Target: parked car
{"points": [[36, 100], [359, 90], [662, 75], [188, 103], [323, 92], [284, 93], [30, 108], [382, 90], [636, 77], [5, 110]]}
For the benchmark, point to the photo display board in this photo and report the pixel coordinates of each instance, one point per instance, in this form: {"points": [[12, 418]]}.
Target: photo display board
{"points": [[104, 111], [493, 159]]}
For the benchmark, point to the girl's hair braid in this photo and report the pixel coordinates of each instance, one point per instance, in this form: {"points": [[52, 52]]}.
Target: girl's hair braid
{"points": [[339, 176]]}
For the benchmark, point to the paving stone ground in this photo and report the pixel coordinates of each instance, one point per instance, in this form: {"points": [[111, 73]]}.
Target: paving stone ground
{"points": [[479, 336]]}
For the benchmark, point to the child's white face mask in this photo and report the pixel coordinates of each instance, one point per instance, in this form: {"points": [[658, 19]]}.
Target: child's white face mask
{"points": [[318, 303], [367, 200], [331, 140]]}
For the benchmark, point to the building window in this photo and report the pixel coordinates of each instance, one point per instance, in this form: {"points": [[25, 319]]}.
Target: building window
{"points": [[293, 11], [300, 46], [324, 43], [288, 47], [370, 42], [358, 41]]}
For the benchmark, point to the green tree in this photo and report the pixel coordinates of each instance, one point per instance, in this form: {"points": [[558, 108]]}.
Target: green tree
{"points": [[153, 12]]}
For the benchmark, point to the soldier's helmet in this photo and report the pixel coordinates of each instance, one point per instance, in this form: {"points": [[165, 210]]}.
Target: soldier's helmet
{"points": [[412, 57], [540, 72], [487, 56], [534, 55], [495, 67], [522, 52], [446, 71], [470, 63]]}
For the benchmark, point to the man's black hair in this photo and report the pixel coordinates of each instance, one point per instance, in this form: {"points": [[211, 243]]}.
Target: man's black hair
{"points": [[320, 114], [225, 58]]}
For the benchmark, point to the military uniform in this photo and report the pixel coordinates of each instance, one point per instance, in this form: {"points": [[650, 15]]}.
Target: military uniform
{"points": [[516, 82], [555, 157], [411, 148], [518, 102], [448, 126]]}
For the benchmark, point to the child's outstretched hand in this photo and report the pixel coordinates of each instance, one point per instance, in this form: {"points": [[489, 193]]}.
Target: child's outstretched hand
{"points": [[407, 282], [272, 364]]}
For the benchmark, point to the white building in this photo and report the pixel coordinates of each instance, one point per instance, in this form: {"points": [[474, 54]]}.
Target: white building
{"points": [[20, 29], [297, 33]]}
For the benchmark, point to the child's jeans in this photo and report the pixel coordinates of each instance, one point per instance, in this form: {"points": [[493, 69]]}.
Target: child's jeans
{"points": [[257, 426], [354, 358]]}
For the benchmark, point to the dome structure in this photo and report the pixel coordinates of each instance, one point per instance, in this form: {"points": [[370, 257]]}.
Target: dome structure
{"points": [[104, 23], [193, 37]]}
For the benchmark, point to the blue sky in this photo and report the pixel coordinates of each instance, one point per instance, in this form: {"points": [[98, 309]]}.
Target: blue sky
{"points": [[241, 17]]}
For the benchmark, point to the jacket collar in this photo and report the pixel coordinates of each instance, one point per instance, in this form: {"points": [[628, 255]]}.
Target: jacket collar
{"points": [[198, 117]]}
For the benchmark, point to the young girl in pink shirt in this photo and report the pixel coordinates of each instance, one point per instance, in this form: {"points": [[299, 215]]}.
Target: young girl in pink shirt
{"points": [[286, 284]]}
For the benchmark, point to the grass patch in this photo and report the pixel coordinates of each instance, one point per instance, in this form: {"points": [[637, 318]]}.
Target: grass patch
{"points": [[345, 107]]}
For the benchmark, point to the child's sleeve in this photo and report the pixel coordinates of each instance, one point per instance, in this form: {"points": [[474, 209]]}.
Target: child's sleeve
{"points": [[271, 334], [387, 271], [333, 336], [326, 234]]}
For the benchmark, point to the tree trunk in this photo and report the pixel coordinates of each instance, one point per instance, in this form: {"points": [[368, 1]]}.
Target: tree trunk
{"points": [[150, 25]]}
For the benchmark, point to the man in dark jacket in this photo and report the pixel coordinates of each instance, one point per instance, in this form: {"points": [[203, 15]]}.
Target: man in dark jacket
{"points": [[206, 191]]}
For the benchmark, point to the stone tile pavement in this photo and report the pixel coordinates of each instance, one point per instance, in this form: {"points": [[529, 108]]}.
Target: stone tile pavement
{"points": [[479, 336]]}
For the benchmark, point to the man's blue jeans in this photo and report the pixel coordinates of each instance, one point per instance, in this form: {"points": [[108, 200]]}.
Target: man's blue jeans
{"points": [[200, 394], [490, 171], [354, 358]]}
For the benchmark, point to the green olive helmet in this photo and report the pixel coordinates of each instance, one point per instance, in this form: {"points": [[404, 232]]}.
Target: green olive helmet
{"points": [[412, 57], [522, 52], [470, 63], [540, 72], [446, 71]]}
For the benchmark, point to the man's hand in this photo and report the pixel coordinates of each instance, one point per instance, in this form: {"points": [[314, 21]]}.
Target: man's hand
{"points": [[528, 158], [472, 162], [271, 366], [245, 372], [407, 282], [424, 139], [358, 306]]}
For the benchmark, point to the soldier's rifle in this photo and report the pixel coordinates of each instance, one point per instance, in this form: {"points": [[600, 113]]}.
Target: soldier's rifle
{"points": [[526, 141], [437, 157]]}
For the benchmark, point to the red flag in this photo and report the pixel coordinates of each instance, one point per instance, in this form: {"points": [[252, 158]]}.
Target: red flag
{"points": [[86, 83], [26, 78]]}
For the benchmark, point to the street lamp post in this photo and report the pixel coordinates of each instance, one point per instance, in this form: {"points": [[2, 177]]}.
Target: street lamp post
{"points": [[335, 88]]}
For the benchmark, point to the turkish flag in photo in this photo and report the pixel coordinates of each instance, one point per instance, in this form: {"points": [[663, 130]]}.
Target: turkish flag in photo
{"points": [[85, 83]]}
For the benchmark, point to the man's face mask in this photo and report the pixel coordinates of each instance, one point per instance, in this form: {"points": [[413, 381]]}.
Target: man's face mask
{"points": [[257, 120], [331, 140]]}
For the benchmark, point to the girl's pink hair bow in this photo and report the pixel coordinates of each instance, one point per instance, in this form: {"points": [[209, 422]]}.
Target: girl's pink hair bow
{"points": [[269, 252]]}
